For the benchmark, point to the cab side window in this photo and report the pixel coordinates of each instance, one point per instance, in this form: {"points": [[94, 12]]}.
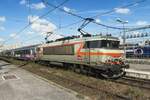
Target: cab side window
{"points": [[86, 45]]}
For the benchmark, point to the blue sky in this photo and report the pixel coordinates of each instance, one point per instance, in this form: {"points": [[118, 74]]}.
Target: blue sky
{"points": [[15, 14]]}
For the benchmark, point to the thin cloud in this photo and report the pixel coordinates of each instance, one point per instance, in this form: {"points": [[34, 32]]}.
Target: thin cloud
{"points": [[122, 10], [67, 9], [41, 25], [23, 2], [98, 20], [2, 28], [1, 39], [141, 23], [38, 6], [12, 35], [91, 12], [2, 18], [30, 33]]}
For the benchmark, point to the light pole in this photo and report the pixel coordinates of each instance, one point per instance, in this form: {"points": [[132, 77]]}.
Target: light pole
{"points": [[124, 34]]}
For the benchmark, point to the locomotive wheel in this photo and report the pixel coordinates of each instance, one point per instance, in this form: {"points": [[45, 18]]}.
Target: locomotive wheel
{"points": [[111, 75]]}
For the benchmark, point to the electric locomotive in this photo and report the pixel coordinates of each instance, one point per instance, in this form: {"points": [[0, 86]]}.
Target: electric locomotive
{"points": [[96, 54]]}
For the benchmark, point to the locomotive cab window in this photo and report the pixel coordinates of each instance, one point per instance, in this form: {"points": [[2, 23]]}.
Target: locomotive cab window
{"points": [[102, 44], [109, 44], [92, 44]]}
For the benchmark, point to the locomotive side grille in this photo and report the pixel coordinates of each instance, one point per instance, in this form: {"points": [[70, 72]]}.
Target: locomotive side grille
{"points": [[59, 50]]}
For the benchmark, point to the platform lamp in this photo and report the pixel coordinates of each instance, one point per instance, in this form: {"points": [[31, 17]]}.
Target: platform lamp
{"points": [[124, 34]]}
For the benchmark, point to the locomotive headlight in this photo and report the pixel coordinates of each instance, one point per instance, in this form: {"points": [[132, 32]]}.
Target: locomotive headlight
{"points": [[109, 59], [120, 58]]}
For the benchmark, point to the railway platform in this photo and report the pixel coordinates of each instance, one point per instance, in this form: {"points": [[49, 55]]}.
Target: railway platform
{"points": [[140, 67], [18, 84], [139, 71], [138, 74]]}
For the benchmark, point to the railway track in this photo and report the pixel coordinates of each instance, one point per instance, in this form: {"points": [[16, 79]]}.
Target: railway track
{"points": [[144, 84], [134, 82], [76, 84]]}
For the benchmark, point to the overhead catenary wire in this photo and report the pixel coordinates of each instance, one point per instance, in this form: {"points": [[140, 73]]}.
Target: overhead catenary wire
{"points": [[19, 32], [26, 26], [107, 12], [73, 14]]}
